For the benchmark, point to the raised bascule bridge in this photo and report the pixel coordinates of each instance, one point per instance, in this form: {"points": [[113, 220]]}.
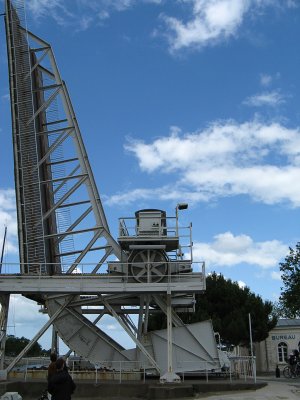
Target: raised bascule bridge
{"points": [[70, 263]]}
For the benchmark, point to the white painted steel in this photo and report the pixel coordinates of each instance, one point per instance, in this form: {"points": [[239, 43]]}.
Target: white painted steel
{"points": [[150, 262], [95, 284], [194, 348]]}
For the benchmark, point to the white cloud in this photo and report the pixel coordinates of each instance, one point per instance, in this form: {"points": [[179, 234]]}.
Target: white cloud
{"points": [[109, 325], [292, 3], [82, 13], [214, 21], [276, 275], [45, 8], [228, 250], [272, 99], [8, 218], [27, 323], [225, 159], [169, 192], [33, 315], [25, 319], [242, 284], [265, 79], [211, 21], [7, 199]]}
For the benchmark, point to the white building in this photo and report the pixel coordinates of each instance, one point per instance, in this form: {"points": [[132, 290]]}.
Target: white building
{"points": [[282, 340]]}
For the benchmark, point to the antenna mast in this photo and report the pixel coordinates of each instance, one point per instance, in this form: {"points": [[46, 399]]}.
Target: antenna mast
{"points": [[3, 247]]}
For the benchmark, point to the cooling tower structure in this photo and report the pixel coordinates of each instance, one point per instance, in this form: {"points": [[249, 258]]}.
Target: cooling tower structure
{"points": [[70, 263]]}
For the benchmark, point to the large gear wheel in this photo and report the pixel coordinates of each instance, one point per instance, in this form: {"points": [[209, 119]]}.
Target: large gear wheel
{"points": [[148, 266]]}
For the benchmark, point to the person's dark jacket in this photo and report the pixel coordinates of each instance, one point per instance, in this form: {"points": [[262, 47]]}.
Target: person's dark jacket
{"points": [[61, 386], [51, 369]]}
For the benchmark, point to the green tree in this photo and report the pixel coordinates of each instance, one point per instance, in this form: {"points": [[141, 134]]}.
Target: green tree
{"points": [[290, 269], [228, 306], [15, 345]]}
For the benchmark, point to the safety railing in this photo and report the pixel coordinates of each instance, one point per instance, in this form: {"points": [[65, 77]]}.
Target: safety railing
{"points": [[85, 269], [160, 227], [238, 368], [81, 369], [166, 226], [243, 367], [109, 370]]}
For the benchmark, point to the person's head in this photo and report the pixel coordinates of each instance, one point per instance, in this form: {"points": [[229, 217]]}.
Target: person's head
{"points": [[60, 363], [53, 357]]}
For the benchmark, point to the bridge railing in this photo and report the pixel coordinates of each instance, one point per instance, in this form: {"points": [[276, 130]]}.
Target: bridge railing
{"points": [[86, 269], [239, 368]]}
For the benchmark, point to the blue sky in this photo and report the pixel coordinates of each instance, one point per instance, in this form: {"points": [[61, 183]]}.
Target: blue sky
{"points": [[183, 100]]}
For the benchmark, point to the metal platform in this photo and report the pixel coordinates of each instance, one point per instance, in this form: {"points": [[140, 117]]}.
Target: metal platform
{"points": [[93, 284]]}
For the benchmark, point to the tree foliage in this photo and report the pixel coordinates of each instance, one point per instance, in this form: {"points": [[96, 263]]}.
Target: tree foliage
{"points": [[228, 306], [15, 345], [290, 269]]}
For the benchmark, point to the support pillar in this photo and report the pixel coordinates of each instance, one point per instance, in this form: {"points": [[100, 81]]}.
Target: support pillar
{"points": [[169, 376], [55, 341], [4, 300]]}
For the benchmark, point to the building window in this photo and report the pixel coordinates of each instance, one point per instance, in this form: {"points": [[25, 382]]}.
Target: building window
{"points": [[282, 352]]}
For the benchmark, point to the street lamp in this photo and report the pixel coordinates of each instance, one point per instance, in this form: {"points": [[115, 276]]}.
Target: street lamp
{"points": [[180, 206], [170, 376]]}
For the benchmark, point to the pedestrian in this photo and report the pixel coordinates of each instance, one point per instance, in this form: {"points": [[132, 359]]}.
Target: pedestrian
{"points": [[51, 370], [52, 365], [61, 385], [293, 363]]}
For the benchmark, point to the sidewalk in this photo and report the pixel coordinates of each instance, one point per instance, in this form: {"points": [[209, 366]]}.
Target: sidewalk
{"points": [[277, 389]]}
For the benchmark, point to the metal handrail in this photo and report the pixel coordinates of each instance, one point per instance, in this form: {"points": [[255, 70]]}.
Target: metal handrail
{"points": [[83, 269]]}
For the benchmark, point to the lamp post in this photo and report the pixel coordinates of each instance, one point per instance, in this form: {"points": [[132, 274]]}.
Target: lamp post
{"points": [[170, 376], [180, 206]]}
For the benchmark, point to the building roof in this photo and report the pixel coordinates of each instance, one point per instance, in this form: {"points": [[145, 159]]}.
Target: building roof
{"points": [[288, 322]]}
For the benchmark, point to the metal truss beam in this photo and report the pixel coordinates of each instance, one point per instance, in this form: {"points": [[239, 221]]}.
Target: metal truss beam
{"points": [[163, 305], [73, 232], [127, 321], [39, 334], [78, 220], [45, 105], [85, 251], [65, 133], [65, 197], [131, 335]]}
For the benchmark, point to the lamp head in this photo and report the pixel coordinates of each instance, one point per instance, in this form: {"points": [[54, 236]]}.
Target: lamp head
{"points": [[182, 206]]}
